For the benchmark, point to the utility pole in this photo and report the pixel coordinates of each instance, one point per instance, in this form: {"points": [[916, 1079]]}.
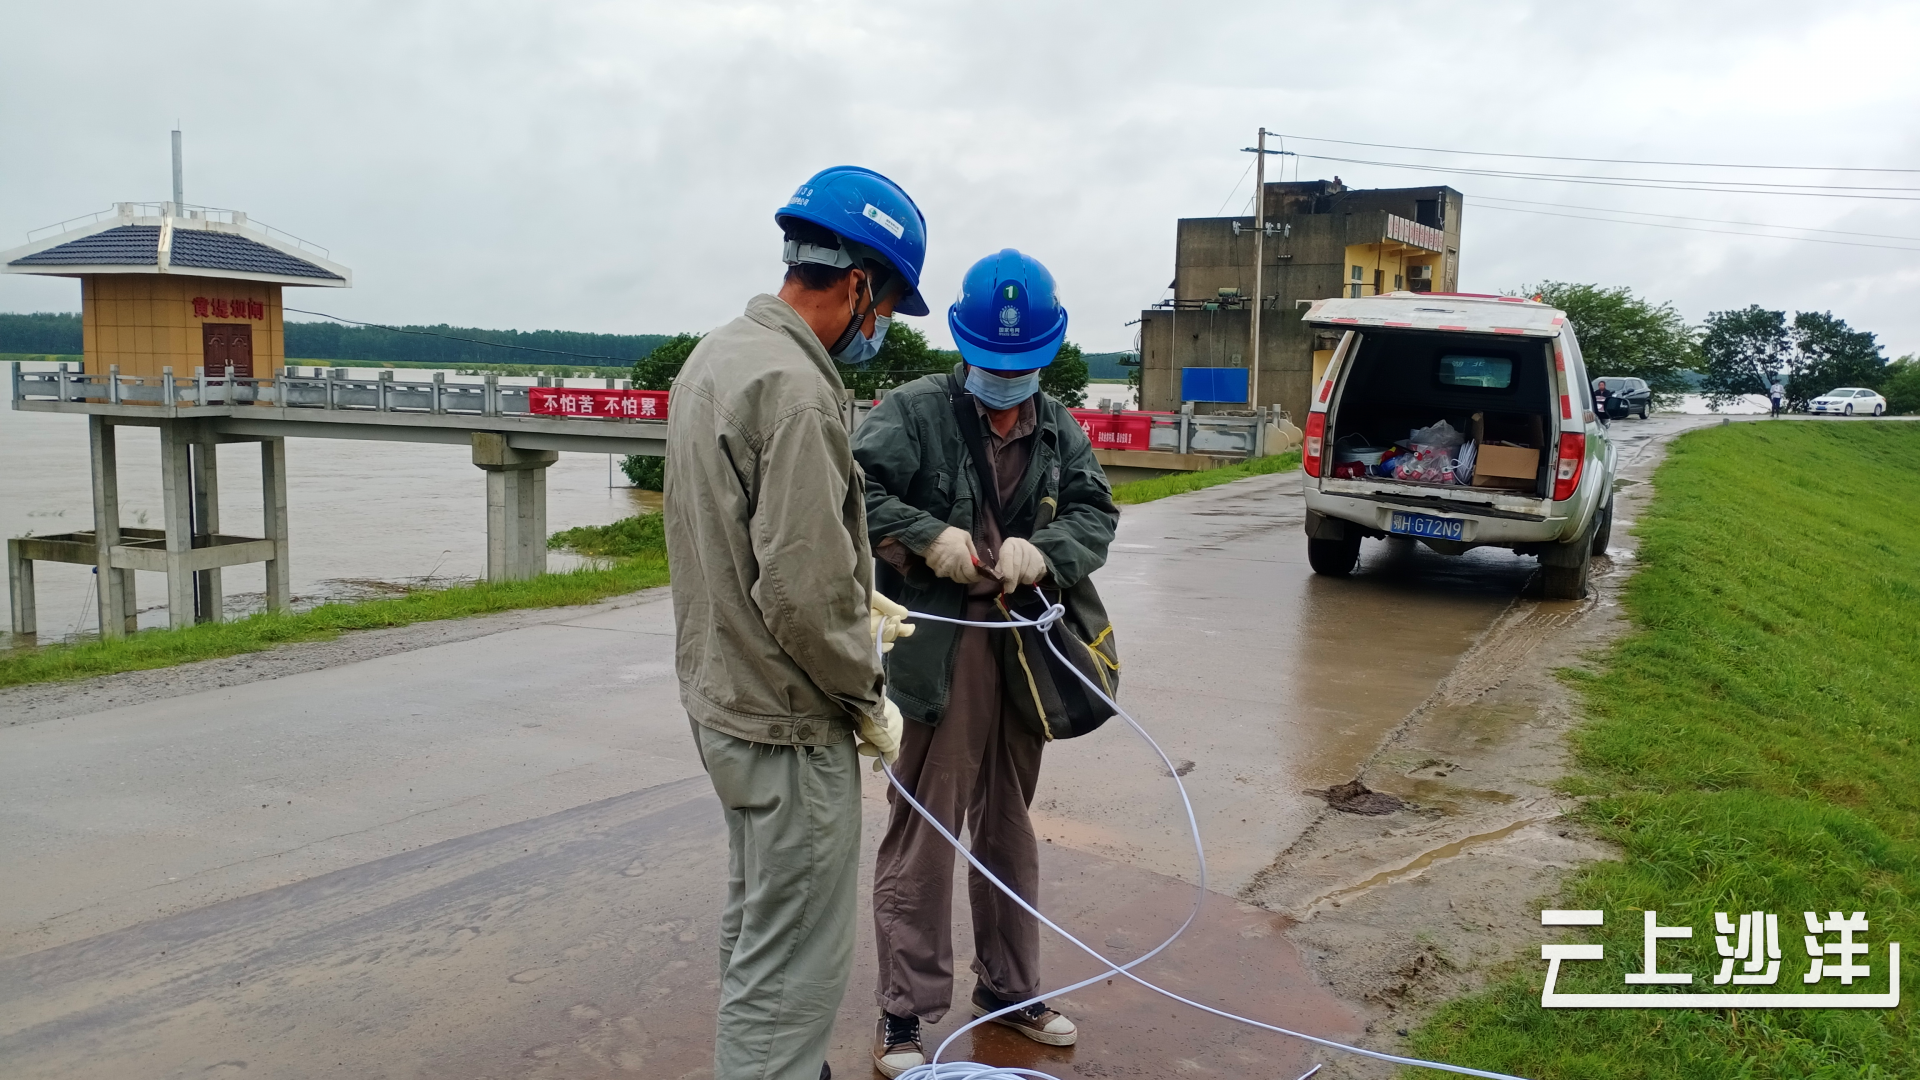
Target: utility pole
{"points": [[1259, 256], [1259, 260]]}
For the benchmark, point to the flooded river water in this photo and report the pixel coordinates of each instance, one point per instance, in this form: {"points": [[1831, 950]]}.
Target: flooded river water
{"points": [[366, 518]]}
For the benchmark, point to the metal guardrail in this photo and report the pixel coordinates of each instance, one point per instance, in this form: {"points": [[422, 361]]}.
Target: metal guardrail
{"points": [[184, 211], [1183, 432], [333, 390], [1220, 436]]}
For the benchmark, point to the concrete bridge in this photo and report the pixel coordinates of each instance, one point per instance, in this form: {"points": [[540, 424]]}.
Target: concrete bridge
{"points": [[510, 441]]}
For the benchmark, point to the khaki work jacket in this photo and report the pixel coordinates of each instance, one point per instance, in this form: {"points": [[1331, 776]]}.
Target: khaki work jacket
{"points": [[767, 537]]}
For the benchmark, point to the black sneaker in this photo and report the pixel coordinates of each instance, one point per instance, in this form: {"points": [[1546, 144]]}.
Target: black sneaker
{"points": [[1036, 1021], [896, 1044]]}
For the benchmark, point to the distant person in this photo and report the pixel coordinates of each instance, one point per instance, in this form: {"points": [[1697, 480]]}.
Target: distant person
{"points": [[1600, 400], [1776, 393], [951, 544], [774, 613]]}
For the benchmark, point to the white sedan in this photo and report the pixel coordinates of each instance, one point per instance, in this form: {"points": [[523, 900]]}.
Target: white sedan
{"points": [[1847, 401]]}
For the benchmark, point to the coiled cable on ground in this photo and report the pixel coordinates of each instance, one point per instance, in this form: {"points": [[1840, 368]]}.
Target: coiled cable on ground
{"points": [[934, 1069]]}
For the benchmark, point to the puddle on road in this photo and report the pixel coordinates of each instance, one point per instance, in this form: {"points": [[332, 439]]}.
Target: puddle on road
{"points": [[1375, 645], [1423, 860]]}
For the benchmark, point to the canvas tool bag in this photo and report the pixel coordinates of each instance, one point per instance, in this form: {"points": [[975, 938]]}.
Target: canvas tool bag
{"points": [[1045, 691]]}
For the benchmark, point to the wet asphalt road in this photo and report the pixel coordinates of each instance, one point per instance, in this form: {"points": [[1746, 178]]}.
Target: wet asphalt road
{"points": [[498, 857]]}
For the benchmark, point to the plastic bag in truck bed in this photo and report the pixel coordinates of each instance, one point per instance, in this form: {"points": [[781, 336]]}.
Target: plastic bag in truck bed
{"points": [[1432, 455]]}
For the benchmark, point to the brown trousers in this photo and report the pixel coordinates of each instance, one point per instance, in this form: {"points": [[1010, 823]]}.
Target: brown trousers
{"points": [[980, 760]]}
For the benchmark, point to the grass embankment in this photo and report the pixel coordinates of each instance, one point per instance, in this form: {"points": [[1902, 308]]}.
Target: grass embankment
{"points": [[1751, 745], [636, 548], [1141, 491]]}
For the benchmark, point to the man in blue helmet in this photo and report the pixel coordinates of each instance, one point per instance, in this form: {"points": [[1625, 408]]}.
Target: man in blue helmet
{"points": [[774, 613], [948, 546]]}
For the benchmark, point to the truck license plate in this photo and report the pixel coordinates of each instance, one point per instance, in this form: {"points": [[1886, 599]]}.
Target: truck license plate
{"points": [[1425, 525]]}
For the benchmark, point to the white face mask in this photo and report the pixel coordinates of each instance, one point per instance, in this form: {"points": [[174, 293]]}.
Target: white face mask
{"points": [[862, 349], [1000, 391]]}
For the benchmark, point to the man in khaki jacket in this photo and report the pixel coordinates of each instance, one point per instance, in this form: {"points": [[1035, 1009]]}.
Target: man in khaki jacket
{"points": [[774, 613]]}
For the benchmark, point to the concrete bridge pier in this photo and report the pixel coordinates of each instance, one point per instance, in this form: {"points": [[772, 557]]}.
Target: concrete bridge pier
{"points": [[516, 506]]}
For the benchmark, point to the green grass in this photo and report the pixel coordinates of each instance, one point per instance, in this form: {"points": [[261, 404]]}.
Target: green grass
{"points": [[1751, 745], [1159, 487], [639, 561], [41, 358]]}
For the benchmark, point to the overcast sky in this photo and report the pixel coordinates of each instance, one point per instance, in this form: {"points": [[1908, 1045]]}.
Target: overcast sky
{"points": [[614, 167]]}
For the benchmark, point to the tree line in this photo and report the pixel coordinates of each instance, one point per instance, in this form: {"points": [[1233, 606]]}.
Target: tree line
{"points": [[1732, 353], [58, 333]]}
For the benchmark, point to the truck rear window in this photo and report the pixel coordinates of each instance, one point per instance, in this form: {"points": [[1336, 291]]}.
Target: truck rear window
{"points": [[1484, 372]]}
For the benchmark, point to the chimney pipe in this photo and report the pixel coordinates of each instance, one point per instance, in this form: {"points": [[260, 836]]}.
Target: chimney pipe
{"points": [[178, 195]]}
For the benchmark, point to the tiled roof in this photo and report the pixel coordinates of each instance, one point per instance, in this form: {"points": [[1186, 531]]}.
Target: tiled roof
{"points": [[224, 251], [127, 245], [139, 245]]}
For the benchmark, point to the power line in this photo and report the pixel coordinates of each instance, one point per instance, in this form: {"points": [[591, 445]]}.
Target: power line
{"points": [[456, 337], [1236, 189], [1691, 228], [1608, 161], [1642, 184], [1685, 217]]}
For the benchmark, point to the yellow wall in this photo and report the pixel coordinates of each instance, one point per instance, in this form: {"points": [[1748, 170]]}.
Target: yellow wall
{"points": [[1389, 259], [144, 322]]}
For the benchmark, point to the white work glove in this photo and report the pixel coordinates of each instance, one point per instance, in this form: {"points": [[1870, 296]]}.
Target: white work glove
{"points": [[886, 620], [951, 555], [879, 738], [1020, 563]]}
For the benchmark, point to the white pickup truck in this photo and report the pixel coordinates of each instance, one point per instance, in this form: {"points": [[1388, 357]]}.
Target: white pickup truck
{"points": [[1532, 469]]}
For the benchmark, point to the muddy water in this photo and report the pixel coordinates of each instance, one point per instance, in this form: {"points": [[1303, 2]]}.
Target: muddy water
{"points": [[1259, 678], [366, 518]]}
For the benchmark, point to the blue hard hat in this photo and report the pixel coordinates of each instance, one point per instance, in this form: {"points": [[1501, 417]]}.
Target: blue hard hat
{"points": [[862, 206], [1007, 317]]}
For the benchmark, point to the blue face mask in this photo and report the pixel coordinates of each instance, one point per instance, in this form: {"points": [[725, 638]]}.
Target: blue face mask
{"points": [[862, 349], [999, 391]]}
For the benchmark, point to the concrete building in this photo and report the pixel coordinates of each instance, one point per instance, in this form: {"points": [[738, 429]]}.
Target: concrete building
{"points": [[1323, 240]]}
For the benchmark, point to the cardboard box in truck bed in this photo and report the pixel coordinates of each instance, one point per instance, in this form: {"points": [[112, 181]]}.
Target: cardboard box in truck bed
{"points": [[1498, 466]]}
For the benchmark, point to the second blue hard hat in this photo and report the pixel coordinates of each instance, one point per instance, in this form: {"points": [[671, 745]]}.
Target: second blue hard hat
{"points": [[861, 205], [1008, 317]]}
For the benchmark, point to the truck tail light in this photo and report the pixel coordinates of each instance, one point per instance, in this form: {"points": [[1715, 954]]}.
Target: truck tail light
{"points": [[1566, 469], [1311, 445]]}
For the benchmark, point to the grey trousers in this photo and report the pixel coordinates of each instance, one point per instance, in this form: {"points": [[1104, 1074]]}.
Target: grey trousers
{"points": [[981, 762], [786, 934]]}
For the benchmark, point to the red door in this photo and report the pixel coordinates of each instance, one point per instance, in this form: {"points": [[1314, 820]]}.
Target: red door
{"points": [[223, 344]]}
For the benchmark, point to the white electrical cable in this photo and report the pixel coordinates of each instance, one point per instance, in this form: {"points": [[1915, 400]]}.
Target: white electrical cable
{"points": [[934, 1069]]}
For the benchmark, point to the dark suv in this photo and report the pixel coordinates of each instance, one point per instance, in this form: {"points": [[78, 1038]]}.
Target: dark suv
{"points": [[1625, 396]]}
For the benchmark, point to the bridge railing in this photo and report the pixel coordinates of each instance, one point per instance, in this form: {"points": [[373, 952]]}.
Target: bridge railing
{"points": [[329, 388]]}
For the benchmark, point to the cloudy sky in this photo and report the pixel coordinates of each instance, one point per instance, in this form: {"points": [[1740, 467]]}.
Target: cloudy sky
{"points": [[614, 167]]}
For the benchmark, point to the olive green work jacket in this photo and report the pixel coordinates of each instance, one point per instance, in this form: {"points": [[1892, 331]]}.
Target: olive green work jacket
{"points": [[767, 538], [920, 479]]}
